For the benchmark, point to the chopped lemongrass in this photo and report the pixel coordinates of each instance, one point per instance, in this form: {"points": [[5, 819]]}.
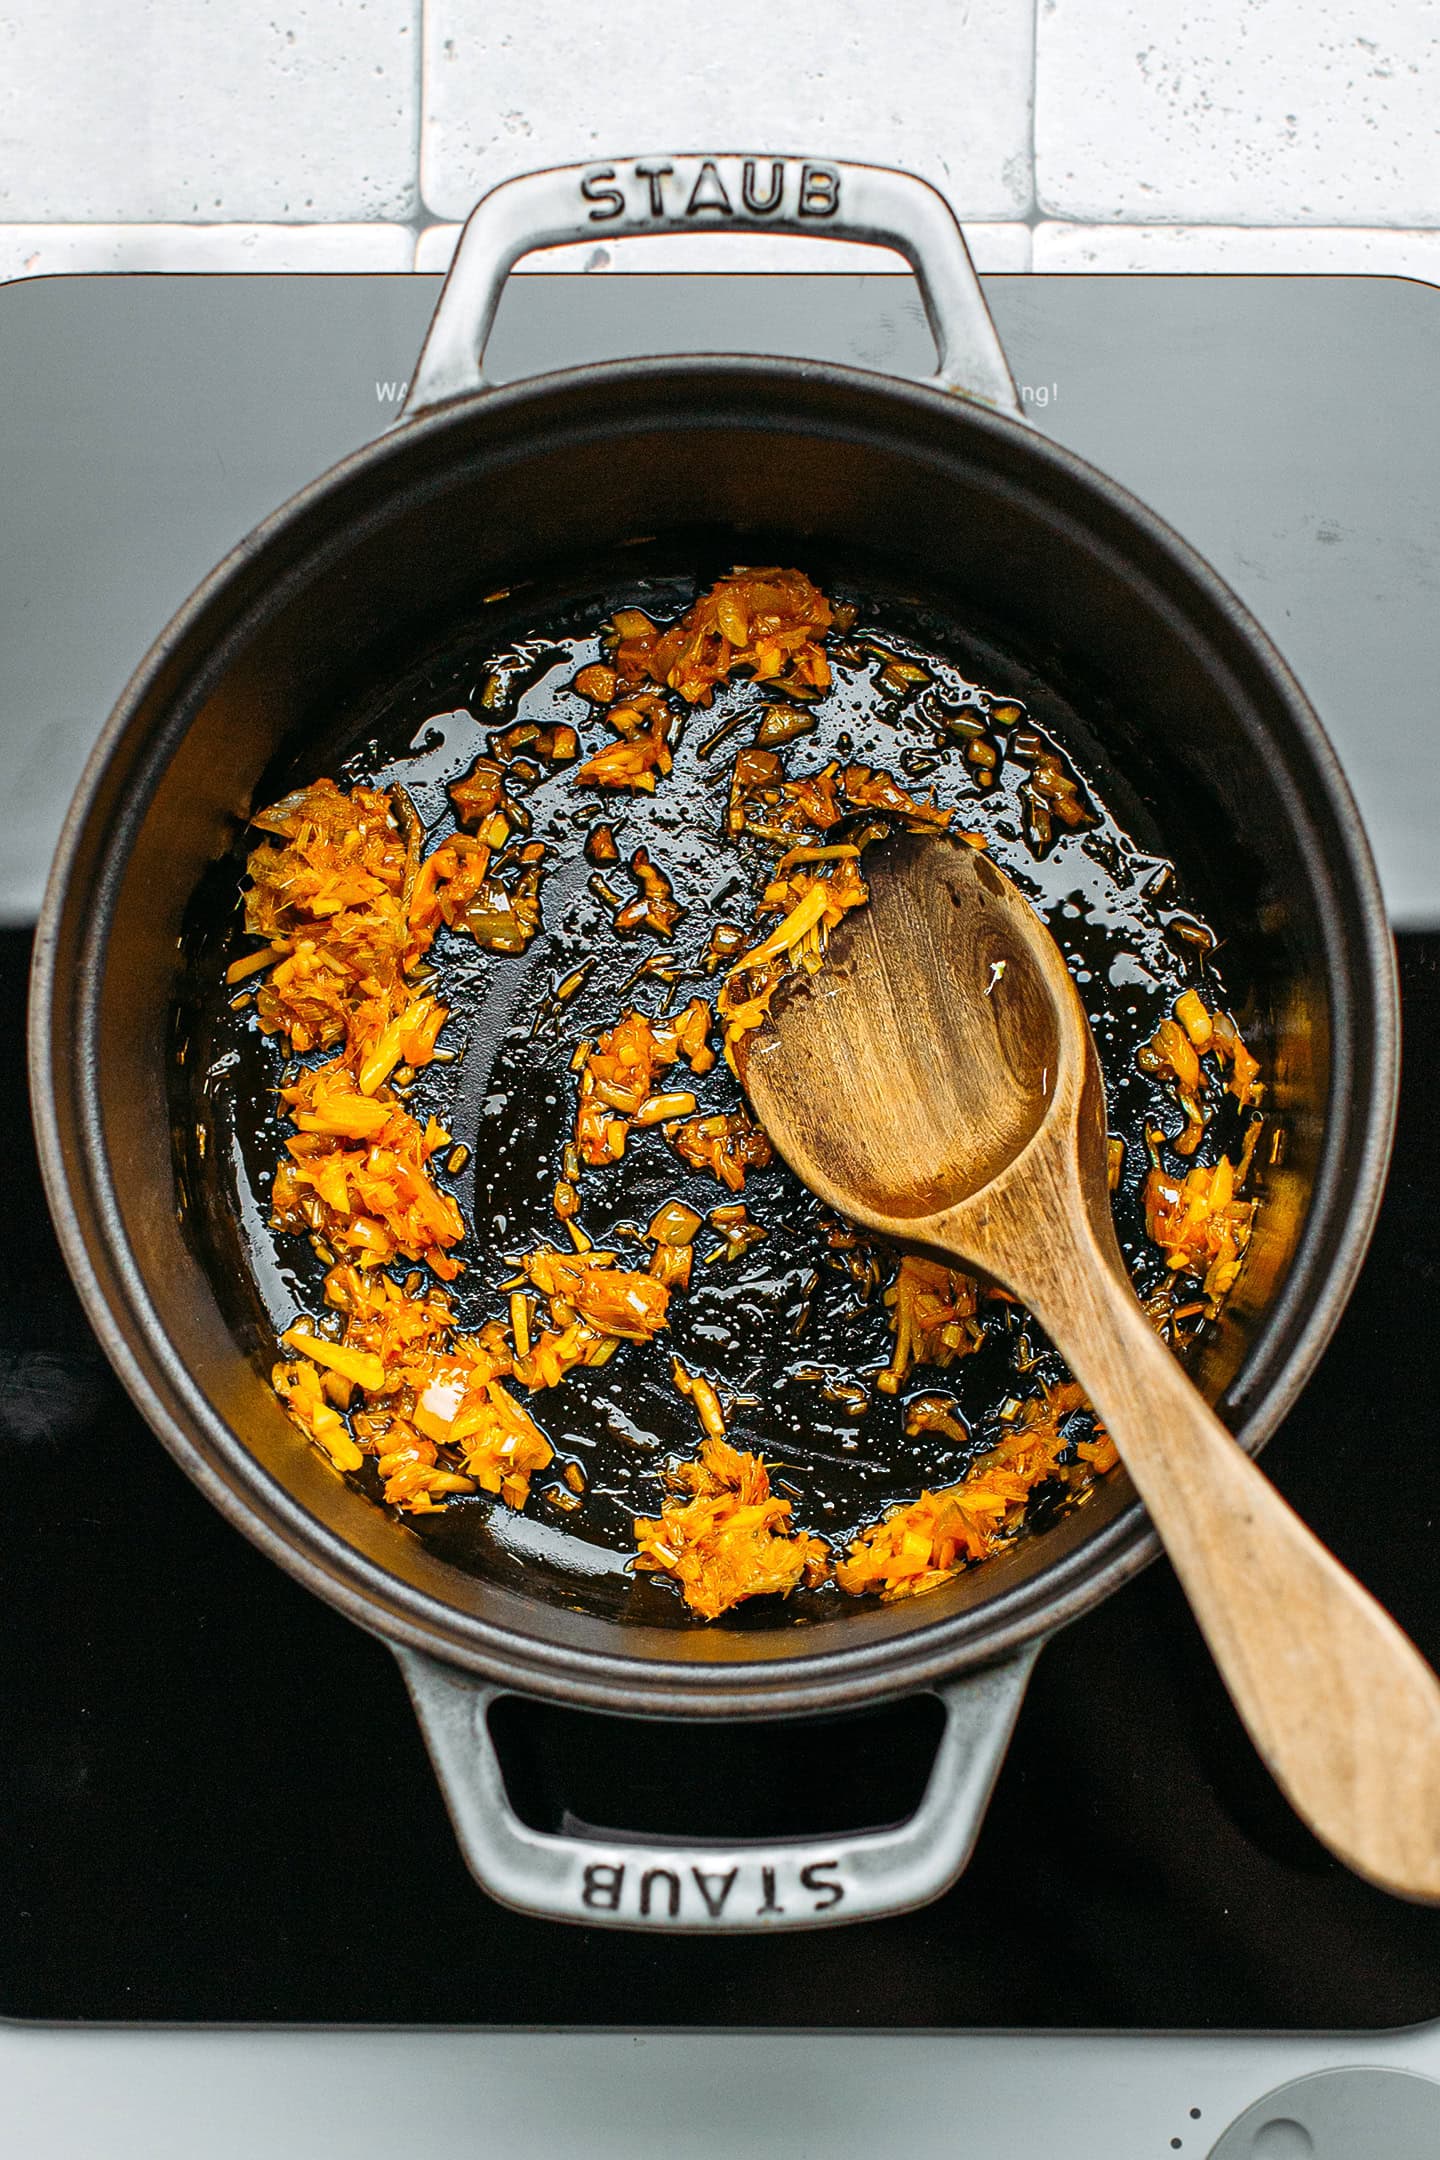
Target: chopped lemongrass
{"points": [[661, 1107], [361, 1366], [251, 965], [801, 918]]}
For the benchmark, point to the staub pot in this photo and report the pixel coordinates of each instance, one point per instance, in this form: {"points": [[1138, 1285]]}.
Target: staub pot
{"points": [[946, 490]]}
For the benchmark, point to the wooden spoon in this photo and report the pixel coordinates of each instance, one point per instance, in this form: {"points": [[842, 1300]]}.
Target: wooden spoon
{"points": [[937, 1082]]}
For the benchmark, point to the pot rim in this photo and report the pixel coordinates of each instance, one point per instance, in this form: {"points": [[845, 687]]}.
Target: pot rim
{"points": [[68, 971]]}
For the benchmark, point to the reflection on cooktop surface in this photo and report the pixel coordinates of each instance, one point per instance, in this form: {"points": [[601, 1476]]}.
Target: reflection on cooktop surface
{"points": [[219, 1806]]}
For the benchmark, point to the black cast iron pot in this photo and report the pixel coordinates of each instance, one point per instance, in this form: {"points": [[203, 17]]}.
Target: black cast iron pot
{"points": [[942, 490]]}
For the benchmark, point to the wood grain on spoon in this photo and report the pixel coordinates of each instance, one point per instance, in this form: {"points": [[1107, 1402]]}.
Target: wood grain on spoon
{"points": [[937, 1082]]}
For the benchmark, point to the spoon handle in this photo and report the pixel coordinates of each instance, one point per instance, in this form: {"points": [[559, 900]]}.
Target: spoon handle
{"points": [[1339, 1702]]}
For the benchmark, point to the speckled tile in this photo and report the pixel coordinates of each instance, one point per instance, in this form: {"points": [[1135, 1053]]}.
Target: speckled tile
{"points": [[941, 89], [226, 110], [1320, 250], [48, 250], [1239, 112]]}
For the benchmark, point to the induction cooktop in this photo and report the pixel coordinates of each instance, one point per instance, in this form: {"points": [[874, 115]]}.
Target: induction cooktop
{"points": [[215, 1804]]}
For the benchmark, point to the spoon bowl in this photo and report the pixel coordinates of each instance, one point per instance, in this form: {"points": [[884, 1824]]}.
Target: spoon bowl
{"points": [[904, 1134]]}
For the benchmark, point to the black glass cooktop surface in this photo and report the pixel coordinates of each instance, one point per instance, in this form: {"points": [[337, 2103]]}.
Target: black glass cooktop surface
{"points": [[215, 1803]]}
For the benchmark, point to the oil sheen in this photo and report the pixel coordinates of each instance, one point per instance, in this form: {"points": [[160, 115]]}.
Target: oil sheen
{"points": [[795, 1330]]}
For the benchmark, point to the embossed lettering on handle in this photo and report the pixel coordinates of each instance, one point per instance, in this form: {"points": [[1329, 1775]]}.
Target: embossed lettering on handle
{"points": [[610, 1881], [670, 192], [718, 192]]}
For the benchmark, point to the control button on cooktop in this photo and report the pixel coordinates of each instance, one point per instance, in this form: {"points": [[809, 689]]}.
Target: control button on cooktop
{"points": [[1356, 2114]]}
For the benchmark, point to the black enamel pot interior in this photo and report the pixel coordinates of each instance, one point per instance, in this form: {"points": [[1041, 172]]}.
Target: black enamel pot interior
{"points": [[944, 497]]}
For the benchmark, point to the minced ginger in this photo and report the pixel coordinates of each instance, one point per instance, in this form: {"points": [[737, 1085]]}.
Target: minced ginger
{"points": [[332, 902], [922, 1545], [1200, 1224], [427, 1401], [933, 1317], [358, 1174], [769, 623], [811, 902], [729, 1538], [1177, 1051], [593, 1306], [618, 1073]]}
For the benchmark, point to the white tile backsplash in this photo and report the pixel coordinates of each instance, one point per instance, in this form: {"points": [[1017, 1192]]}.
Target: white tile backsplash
{"points": [[1320, 250], [1239, 112], [208, 110], [936, 85], [331, 134], [47, 250]]}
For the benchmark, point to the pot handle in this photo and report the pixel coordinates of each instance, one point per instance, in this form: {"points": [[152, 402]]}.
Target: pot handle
{"points": [[712, 194], [602, 1879]]}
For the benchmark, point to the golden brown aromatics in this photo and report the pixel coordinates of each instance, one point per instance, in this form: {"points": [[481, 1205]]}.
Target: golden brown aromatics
{"points": [[932, 1315], [433, 1411], [332, 901], [593, 1306], [704, 1395], [769, 623], [1050, 794], [358, 1177], [350, 903], [643, 724], [654, 907], [494, 898], [811, 902], [1200, 1224], [918, 1547], [618, 1073], [672, 1232], [792, 810], [557, 745], [730, 1538], [1178, 1050], [726, 1142]]}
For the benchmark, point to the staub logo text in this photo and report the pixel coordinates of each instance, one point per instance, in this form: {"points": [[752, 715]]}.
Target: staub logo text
{"points": [[674, 190], [695, 1895]]}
